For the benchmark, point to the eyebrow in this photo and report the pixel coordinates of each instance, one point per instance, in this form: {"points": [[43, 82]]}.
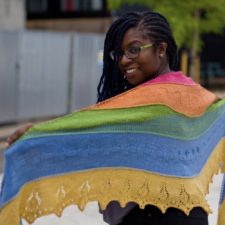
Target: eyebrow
{"points": [[132, 43]]}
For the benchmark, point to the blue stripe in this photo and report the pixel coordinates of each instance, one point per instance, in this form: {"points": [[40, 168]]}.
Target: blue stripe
{"points": [[40, 157]]}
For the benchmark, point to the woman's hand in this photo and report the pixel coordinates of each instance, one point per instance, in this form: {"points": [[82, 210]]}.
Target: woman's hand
{"points": [[18, 133]]}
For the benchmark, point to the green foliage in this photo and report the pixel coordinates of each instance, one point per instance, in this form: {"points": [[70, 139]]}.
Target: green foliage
{"points": [[181, 15], [114, 4]]}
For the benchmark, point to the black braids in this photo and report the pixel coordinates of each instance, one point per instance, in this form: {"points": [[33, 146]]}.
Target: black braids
{"points": [[106, 79], [157, 16], [104, 85], [159, 29], [159, 25], [119, 86], [157, 20], [173, 56], [112, 81], [115, 27]]}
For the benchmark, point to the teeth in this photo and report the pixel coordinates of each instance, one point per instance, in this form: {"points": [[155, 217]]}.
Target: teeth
{"points": [[130, 70]]}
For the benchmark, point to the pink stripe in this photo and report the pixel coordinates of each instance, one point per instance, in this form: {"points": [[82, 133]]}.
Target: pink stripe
{"points": [[172, 77]]}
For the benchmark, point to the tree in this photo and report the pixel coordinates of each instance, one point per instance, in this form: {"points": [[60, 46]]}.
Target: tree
{"points": [[189, 20]]}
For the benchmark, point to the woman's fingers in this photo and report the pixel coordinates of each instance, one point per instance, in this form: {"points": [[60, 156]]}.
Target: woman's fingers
{"points": [[18, 133]]}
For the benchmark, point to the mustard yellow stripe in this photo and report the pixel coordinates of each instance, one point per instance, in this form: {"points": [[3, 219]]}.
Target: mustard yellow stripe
{"points": [[53, 194]]}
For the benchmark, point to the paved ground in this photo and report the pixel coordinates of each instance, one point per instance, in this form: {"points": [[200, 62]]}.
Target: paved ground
{"points": [[72, 216]]}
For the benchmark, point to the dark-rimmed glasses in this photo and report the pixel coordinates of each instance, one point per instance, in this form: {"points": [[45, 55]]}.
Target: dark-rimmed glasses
{"points": [[131, 53]]}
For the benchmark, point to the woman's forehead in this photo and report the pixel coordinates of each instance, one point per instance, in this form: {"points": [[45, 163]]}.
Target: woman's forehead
{"points": [[133, 35]]}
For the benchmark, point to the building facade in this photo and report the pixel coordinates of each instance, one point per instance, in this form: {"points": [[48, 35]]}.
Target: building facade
{"points": [[12, 14], [93, 16], [68, 15]]}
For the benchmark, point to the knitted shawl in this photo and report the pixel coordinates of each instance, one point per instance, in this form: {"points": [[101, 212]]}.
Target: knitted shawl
{"points": [[159, 143]]}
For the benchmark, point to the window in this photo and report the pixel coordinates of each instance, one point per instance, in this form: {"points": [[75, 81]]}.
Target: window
{"points": [[97, 5], [53, 9], [81, 5], [68, 5], [37, 6]]}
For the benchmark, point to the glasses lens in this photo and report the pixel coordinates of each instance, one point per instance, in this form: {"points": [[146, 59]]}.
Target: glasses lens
{"points": [[132, 52]]}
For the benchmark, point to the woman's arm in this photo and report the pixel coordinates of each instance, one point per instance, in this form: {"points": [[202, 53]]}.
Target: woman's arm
{"points": [[18, 133]]}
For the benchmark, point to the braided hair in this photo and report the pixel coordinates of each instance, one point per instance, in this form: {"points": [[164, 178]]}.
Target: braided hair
{"points": [[154, 26]]}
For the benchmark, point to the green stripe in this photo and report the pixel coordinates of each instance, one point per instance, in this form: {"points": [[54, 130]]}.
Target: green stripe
{"points": [[156, 119], [174, 126]]}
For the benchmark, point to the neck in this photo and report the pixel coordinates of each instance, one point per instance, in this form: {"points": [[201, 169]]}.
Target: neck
{"points": [[163, 70]]}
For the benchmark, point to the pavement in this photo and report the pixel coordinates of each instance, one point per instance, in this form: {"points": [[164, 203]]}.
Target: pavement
{"points": [[72, 216]]}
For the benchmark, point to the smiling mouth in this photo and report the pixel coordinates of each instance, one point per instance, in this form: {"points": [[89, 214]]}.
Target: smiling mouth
{"points": [[129, 71]]}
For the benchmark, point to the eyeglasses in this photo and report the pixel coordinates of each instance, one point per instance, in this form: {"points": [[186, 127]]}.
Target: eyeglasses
{"points": [[131, 53]]}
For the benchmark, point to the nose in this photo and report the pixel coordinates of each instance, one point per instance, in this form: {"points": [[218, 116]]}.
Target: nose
{"points": [[124, 60]]}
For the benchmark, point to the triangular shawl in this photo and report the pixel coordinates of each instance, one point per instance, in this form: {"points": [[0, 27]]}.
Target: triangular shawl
{"points": [[159, 143]]}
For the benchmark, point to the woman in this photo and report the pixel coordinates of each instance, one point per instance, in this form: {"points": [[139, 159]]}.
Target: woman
{"points": [[139, 47]]}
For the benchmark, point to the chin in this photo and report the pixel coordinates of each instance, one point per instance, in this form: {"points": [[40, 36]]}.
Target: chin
{"points": [[135, 82]]}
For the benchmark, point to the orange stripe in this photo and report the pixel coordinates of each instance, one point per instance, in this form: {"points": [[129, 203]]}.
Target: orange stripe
{"points": [[189, 100]]}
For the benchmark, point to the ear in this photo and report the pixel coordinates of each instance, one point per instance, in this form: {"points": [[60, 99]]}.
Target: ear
{"points": [[162, 49]]}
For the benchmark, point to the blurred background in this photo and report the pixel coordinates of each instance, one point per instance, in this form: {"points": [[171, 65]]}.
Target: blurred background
{"points": [[51, 53], [51, 50]]}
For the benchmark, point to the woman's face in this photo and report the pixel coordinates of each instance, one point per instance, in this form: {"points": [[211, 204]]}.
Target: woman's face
{"points": [[151, 62]]}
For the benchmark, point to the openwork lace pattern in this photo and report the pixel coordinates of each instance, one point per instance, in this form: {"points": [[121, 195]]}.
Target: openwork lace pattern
{"points": [[53, 194], [192, 101]]}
